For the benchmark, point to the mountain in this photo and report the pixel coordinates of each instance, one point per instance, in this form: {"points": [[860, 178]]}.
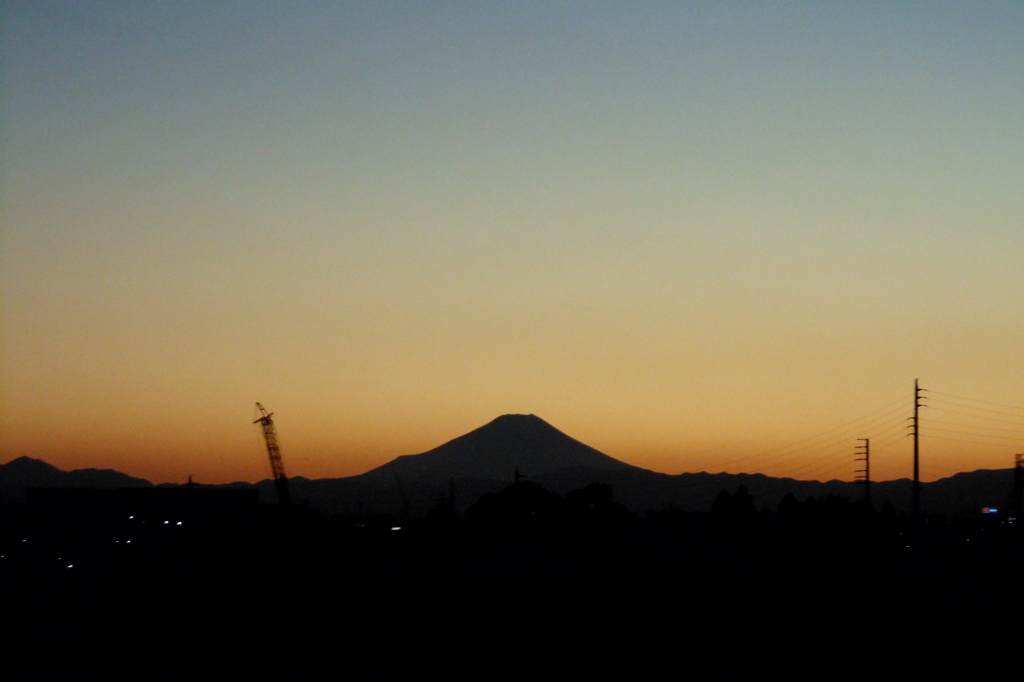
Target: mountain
{"points": [[24, 472], [494, 452], [485, 460]]}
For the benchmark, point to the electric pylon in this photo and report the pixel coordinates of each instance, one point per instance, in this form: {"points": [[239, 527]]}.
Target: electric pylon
{"points": [[274, 452]]}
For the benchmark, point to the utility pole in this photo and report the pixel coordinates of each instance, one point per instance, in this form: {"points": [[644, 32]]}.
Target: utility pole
{"points": [[1018, 487], [864, 475], [917, 465], [405, 500]]}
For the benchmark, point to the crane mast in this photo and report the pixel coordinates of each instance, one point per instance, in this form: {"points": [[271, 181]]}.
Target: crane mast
{"points": [[276, 465]]}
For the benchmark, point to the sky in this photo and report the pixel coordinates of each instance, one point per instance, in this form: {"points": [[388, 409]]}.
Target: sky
{"points": [[721, 236]]}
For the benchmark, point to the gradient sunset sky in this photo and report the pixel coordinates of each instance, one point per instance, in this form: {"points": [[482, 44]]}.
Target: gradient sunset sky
{"points": [[696, 236]]}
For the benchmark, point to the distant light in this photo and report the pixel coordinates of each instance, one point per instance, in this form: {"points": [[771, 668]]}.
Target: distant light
{"points": [[179, 523], [396, 528], [129, 542], [166, 522], [989, 510], [70, 565], [131, 517]]}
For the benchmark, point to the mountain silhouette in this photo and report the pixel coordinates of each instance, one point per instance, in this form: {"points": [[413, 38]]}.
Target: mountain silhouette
{"points": [[485, 460], [494, 452], [25, 472]]}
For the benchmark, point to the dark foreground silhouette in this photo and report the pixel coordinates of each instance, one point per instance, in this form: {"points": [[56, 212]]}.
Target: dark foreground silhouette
{"points": [[189, 585]]}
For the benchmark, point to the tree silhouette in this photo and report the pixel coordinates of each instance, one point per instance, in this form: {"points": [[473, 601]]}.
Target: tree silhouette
{"points": [[594, 502], [738, 507], [519, 504]]}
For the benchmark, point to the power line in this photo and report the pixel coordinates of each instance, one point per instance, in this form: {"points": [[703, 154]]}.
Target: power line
{"points": [[829, 443], [975, 442], [711, 451], [972, 416], [898, 426], [982, 435], [834, 465], [828, 458], [1004, 413], [884, 432], [836, 428], [820, 438], [886, 443], [835, 458], [839, 452], [974, 400], [976, 426]]}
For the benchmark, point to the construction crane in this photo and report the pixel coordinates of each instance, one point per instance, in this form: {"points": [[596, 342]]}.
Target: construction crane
{"points": [[276, 465]]}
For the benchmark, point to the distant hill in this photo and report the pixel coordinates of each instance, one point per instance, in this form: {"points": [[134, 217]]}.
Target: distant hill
{"points": [[485, 460], [24, 472]]}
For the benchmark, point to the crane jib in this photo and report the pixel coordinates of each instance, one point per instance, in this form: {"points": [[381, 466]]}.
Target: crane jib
{"points": [[274, 453]]}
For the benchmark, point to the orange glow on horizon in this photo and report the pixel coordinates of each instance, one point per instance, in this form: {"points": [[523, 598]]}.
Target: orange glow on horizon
{"points": [[690, 240]]}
